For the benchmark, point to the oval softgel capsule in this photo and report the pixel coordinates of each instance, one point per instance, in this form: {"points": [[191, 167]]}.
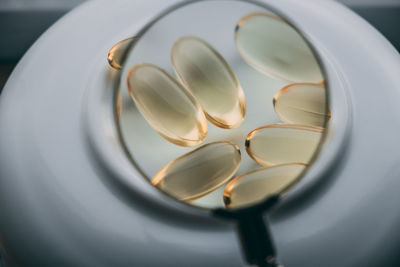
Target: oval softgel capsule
{"points": [[116, 54], [255, 186], [166, 105], [302, 103], [283, 143], [209, 77], [273, 47], [200, 171]]}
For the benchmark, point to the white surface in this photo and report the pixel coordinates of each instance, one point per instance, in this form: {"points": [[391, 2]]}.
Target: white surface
{"points": [[59, 154]]}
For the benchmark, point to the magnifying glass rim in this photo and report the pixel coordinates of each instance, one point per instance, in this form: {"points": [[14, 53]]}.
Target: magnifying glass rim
{"points": [[270, 7]]}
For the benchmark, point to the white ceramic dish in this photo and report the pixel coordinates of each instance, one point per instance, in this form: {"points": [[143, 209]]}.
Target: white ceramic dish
{"points": [[69, 196]]}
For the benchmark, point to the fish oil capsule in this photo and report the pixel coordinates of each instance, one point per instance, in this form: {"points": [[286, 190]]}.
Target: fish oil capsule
{"points": [[302, 103], [200, 171], [166, 105], [209, 77], [283, 143], [256, 186], [116, 53], [275, 48]]}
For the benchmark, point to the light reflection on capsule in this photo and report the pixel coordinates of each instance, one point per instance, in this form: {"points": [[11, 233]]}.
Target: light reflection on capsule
{"points": [[283, 143], [255, 186], [200, 171], [166, 105], [209, 77]]}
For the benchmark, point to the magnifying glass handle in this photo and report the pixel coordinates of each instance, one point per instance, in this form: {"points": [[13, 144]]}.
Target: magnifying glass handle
{"points": [[256, 241]]}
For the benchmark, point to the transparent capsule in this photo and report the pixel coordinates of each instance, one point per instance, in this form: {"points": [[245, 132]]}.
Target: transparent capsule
{"points": [[256, 186], [200, 171], [166, 105], [117, 52], [275, 48], [302, 103], [283, 143], [209, 77]]}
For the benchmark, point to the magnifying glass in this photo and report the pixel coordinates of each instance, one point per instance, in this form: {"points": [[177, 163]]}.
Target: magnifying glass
{"points": [[100, 182], [222, 114]]}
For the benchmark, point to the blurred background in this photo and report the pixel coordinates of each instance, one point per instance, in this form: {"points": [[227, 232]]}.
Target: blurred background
{"points": [[23, 21]]}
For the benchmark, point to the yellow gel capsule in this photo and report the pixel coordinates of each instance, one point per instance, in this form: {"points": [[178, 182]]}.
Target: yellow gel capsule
{"points": [[302, 103], [256, 186], [200, 171], [275, 48], [283, 143], [209, 77], [166, 105], [117, 52]]}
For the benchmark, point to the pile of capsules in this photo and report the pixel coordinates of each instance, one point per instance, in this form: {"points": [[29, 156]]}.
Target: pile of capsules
{"points": [[208, 89]]}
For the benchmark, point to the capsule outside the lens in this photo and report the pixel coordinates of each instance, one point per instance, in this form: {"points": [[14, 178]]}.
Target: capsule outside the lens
{"points": [[200, 171], [116, 54], [275, 48], [302, 103], [166, 105], [283, 143], [209, 77], [254, 187]]}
